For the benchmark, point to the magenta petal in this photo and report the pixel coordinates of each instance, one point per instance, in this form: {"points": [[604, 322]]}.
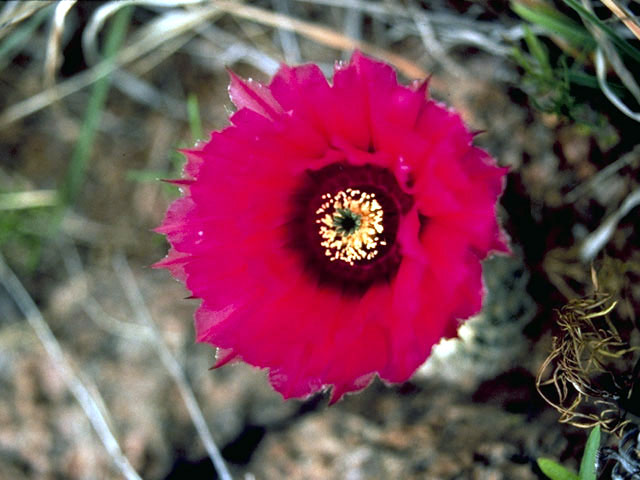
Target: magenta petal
{"points": [[254, 96], [224, 356], [255, 229]]}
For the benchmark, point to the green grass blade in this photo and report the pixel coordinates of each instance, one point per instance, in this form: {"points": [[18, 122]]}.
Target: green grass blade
{"points": [[82, 151], [555, 471], [522, 60], [582, 79], [142, 176], [588, 463], [193, 112], [555, 22], [538, 50], [622, 45]]}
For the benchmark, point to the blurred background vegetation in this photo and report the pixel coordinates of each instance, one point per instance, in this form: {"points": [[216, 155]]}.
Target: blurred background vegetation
{"points": [[97, 98]]}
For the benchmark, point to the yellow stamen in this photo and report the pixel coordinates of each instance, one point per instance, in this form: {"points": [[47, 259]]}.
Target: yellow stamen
{"points": [[362, 241]]}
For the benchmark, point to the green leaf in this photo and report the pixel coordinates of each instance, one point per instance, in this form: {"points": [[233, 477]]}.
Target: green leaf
{"points": [[193, 111], [588, 463], [555, 471], [556, 22]]}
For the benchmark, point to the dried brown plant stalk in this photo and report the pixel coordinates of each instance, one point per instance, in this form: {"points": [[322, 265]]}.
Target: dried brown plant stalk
{"points": [[324, 35], [623, 13], [586, 389]]}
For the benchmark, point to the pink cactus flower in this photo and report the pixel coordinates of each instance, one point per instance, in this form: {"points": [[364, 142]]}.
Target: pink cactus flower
{"points": [[335, 230]]}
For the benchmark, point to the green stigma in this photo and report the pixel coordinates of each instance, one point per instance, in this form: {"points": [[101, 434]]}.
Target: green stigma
{"points": [[346, 222]]}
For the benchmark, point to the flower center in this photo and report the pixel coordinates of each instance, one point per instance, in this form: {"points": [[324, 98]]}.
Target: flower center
{"points": [[344, 224], [351, 222]]}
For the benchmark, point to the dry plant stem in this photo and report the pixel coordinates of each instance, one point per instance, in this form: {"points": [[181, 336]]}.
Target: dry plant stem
{"points": [[288, 40], [157, 33], [82, 394], [605, 47], [145, 93], [156, 57], [371, 7], [90, 305], [232, 49], [136, 88], [97, 21], [453, 30], [596, 240], [16, 11], [324, 36], [144, 316], [102, 14], [53, 45], [352, 25], [624, 15], [562, 263], [431, 43], [631, 158], [580, 353], [601, 73]]}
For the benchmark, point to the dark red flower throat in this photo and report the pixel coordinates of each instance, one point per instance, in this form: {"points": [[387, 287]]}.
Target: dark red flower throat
{"points": [[346, 221]]}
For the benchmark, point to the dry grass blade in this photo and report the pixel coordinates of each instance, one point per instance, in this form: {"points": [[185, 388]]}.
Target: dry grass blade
{"points": [[90, 405], [219, 49], [371, 7], [171, 364], [93, 309], [102, 14], [597, 239], [607, 50], [53, 45], [624, 15], [16, 11], [149, 38], [607, 53], [323, 35], [586, 388], [599, 178], [431, 43], [288, 40]]}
